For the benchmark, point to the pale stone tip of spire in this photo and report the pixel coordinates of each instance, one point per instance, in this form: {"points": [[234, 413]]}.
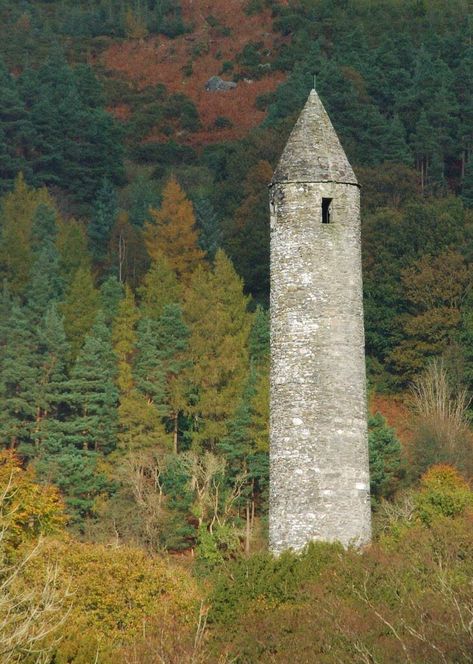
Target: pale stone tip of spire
{"points": [[313, 152]]}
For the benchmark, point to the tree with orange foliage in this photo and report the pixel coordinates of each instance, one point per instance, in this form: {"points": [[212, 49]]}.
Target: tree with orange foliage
{"points": [[172, 232]]}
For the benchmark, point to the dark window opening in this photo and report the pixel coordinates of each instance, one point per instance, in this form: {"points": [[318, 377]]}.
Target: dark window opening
{"points": [[326, 203]]}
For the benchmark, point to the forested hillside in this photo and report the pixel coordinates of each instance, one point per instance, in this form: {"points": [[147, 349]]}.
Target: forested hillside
{"points": [[134, 340]]}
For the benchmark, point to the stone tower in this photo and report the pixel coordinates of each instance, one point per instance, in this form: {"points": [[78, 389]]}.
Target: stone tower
{"points": [[319, 475]]}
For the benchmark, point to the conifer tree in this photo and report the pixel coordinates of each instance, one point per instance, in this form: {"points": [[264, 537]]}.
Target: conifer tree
{"points": [[171, 342], [148, 369], [124, 339], [103, 219], [91, 394], [53, 351], [18, 381], [159, 288], [111, 295], [216, 312], [386, 467], [72, 246], [79, 308], [17, 214], [172, 232], [210, 234], [45, 284], [16, 130], [128, 256], [396, 148], [467, 185]]}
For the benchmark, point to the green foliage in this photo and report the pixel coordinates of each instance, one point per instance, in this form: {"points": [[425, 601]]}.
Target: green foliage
{"points": [[386, 463]]}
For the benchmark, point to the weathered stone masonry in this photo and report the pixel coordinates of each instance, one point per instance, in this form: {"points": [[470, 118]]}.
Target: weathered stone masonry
{"points": [[319, 476]]}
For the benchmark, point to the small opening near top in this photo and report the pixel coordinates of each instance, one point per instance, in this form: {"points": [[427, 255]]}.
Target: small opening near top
{"points": [[326, 205]]}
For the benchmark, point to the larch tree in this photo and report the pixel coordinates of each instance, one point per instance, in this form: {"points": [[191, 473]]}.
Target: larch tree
{"points": [[159, 287], [79, 308], [17, 215], [124, 339], [216, 312], [172, 232]]}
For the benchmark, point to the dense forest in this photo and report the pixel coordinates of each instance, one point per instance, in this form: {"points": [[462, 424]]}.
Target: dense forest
{"points": [[134, 338]]}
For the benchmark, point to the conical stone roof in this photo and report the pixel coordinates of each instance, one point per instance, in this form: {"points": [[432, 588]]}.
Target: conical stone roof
{"points": [[313, 152]]}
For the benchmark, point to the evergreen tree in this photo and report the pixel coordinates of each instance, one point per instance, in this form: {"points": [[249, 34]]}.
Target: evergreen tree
{"points": [[18, 382], [111, 296], [424, 145], [16, 131], [45, 284], [435, 183], [53, 351], [171, 344], [172, 232], [397, 149], [467, 185], [142, 196], [210, 234], [148, 369], [103, 219], [91, 395], [386, 466], [258, 342]]}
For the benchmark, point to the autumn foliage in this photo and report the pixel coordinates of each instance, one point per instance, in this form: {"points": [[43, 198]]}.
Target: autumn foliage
{"points": [[172, 232]]}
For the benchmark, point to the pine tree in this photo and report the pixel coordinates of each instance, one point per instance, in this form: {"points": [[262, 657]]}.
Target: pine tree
{"points": [[159, 288], [91, 394], [424, 145], [210, 234], [103, 219], [258, 342], [143, 195], [79, 308], [45, 283], [435, 183], [16, 131], [396, 148], [171, 341], [386, 467], [111, 295], [216, 312], [172, 232], [18, 382], [467, 185], [148, 369], [53, 351]]}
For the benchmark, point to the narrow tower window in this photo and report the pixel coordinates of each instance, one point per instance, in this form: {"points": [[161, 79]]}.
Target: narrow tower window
{"points": [[326, 203]]}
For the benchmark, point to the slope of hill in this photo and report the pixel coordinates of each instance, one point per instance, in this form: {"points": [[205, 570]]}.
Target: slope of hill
{"points": [[224, 40]]}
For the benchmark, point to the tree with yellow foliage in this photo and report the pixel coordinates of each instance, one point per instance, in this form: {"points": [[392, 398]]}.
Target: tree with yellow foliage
{"points": [[216, 312], [17, 213], [172, 232]]}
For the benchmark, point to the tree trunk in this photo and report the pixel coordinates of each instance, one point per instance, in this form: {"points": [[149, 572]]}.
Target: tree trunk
{"points": [[248, 528], [175, 430]]}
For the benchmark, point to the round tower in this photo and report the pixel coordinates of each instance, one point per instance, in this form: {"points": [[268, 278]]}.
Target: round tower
{"points": [[319, 474]]}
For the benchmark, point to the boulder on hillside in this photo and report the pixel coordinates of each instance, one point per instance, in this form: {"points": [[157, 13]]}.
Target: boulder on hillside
{"points": [[217, 84]]}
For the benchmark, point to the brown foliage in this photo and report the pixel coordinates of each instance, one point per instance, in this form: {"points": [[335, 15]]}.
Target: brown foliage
{"points": [[161, 60], [172, 232]]}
